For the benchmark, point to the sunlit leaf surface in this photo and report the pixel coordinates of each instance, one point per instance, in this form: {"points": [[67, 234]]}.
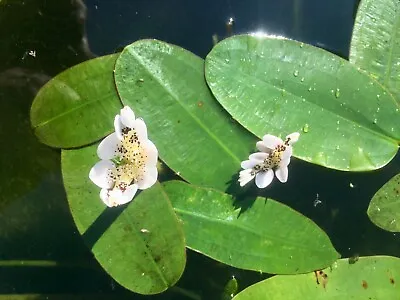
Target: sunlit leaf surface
{"points": [[257, 234], [270, 85], [195, 136], [374, 277], [375, 45]]}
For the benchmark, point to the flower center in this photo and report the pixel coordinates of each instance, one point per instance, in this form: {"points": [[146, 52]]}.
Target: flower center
{"points": [[273, 160], [131, 162]]}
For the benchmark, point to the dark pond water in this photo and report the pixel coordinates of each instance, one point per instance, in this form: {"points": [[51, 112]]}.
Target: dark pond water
{"points": [[40, 38]]}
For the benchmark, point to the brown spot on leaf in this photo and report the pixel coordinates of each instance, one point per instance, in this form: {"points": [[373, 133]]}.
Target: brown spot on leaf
{"points": [[200, 104], [364, 284], [391, 280]]}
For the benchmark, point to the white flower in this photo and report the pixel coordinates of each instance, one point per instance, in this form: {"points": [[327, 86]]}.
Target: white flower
{"points": [[274, 156], [128, 160]]}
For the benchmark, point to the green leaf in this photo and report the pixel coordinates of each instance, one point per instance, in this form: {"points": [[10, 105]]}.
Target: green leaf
{"points": [[195, 137], [141, 245], [279, 86], [263, 235], [375, 45], [384, 208], [374, 277], [77, 107]]}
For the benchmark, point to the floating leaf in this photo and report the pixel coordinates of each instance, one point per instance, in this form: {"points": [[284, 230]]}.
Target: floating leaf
{"points": [[77, 107], [375, 45], [196, 138], [141, 245], [374, 277], [267, 236], [384, 209], [279, 86]]}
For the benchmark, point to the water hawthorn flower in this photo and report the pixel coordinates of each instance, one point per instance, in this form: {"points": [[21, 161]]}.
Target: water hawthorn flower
{"points": [[274, 156], [128, 160]]}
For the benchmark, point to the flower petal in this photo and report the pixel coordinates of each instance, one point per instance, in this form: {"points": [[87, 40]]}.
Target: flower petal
{"points": [[249, 164], [293, 138], [108, 147], [271, 141], [117, 197], [152, 154], [127, 117], [282, 173], [245, 176], [263, 179], [284, 162], [262, 147], [260, 156], [100, 174], [118, 127], [287, 153], [141, 129], [149, 178]]}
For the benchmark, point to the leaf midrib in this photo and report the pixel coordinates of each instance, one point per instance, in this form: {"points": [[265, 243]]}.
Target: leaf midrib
{"points": [[144, 64]]}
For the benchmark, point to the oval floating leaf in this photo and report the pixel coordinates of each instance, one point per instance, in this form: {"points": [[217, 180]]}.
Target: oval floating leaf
{"points": [[141, 245], [77, 107], [263, 235], [196, 138], [374, 277], [384, 209], [375, 45], [279, 86]]}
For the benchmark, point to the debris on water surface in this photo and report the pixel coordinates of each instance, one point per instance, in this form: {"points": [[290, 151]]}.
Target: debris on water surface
{"points": [[353, 259], [317, 201], [321, 277]]}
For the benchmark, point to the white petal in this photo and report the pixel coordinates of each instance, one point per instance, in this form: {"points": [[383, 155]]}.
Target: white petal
{"points": [[261, 146], [271, 141], [108, 148], [127, 117], [100, 174], [284, 162], [117, 197], [104, 197], [287, 153], [263, 179], [149, 178], [152, 154], [293, 137], [249, 164], [118, 126], [245, 176], [282, 173], [260, 156], [141, 129]]}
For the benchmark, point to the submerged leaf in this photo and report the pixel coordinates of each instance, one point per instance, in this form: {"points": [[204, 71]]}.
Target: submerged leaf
{"points": [[281, 86], [384, 209]]}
